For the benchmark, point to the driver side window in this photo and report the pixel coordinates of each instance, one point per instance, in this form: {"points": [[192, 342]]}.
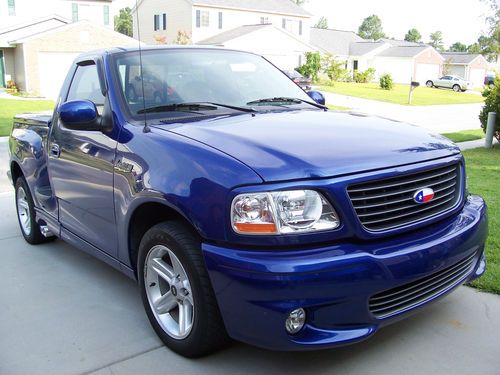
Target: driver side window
{"points": [[85, 86]]}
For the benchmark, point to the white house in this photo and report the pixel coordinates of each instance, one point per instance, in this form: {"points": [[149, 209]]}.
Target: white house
{"points": [[14, 12], [283, 48], [471, 67], [405, 61], [202, 19]]}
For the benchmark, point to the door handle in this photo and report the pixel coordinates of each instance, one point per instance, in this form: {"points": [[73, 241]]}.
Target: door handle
{"points": [[55, 151]]}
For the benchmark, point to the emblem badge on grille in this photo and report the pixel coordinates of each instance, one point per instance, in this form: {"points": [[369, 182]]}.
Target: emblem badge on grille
{"points": [[423, 195]]}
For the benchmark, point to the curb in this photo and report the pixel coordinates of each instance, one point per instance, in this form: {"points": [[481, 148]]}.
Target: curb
{"points": [[4, 139]]}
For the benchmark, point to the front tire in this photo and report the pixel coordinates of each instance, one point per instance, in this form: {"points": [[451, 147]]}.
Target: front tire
{"points": [[176, 291], [457, 88], [26, 214]]}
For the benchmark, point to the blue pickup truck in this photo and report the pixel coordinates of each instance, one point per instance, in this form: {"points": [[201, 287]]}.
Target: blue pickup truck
{"points": [[242, 206]]}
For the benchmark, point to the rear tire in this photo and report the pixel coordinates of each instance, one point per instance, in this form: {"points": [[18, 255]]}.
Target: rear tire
{"points": [[176, 291], [26, 215], [429, 84]]}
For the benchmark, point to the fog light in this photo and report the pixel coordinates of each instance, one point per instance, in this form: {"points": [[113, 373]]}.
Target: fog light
{"points": [[295, 321], [482, 266]]}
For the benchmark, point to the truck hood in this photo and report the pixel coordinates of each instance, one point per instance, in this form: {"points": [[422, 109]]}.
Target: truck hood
{"points": [[313, 144]]}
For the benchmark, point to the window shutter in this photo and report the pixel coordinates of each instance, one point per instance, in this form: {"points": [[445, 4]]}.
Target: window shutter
{"points": [[198, 18], [74, 12], [220, 20], [300, 27], [12, 7], [106, 14], [283, 24], [156, 22], [164, 21]]}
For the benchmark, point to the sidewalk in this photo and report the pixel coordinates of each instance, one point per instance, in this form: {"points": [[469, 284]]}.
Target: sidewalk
{"points": [[436, 118]]}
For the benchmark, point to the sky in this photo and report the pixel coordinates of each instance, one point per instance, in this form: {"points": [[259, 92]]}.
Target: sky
{"points": [[458, 20]]}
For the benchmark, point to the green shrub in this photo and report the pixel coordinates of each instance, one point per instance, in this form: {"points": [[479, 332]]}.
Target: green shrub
{"points": [[491, 104], [364, 77], [312, 66], [333, 68], [386, 82]]}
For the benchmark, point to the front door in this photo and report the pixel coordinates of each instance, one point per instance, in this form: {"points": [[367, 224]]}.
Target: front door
{"points": [[81, 169]]}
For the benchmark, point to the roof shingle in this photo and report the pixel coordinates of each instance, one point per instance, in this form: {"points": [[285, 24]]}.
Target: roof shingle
{"points": [[336, 42]]}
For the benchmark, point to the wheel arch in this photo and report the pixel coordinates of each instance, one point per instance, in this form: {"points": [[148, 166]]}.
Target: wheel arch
{"points": [[15, 171], [145, 216]]}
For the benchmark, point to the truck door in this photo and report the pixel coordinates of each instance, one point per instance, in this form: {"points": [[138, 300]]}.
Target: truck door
{"points": [[81, 169]]}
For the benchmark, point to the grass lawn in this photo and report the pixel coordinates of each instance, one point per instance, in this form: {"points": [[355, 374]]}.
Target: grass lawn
{"points": [[483, 171], [465, 135], [399, 95], [338, 107], [11, 107]]}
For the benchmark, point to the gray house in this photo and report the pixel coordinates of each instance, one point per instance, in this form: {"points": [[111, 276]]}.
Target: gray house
{"points": [[471, 67]]}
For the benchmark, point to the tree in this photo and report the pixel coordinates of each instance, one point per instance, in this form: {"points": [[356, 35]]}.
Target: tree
{"points": [[437, 40], [458, 47], [489, 45], [312, 66], [322, 23], [123, 21], [413, 35], [298, 2], [371, 28]]}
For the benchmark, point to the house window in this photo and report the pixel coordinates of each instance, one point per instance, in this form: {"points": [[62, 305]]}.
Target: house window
{"points": [[105, 9], [264, 20], [12, 7], [355, 65], [74, 12], [205, 19], [220, 20], [198, 18], [160, 21]]}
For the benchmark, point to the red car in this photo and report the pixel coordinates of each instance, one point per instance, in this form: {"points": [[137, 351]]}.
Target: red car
{"points": [[304, 82]]}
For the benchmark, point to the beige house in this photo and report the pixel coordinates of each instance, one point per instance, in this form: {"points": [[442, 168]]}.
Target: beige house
{"points": [[203, 19], [37, 55], [471, 67]]}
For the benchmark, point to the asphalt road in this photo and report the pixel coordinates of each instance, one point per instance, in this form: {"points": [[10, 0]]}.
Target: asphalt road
{"points": [[64, 312]]}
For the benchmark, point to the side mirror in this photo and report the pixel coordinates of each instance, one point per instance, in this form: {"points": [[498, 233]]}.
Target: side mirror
{"points": [[80, 115], [317, 97]]}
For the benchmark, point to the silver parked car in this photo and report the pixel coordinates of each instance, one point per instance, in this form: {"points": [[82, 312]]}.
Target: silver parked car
{"points": [[449, 82]]}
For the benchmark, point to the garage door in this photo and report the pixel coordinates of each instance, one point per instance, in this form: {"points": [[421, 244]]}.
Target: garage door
{"points": [[426, 72], [53, 67], [476, 77]]}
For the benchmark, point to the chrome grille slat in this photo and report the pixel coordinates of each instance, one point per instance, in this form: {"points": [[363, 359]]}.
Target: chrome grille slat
{"points": [[428, 207], [402, 208], [367, 197], [399, 184], [384, 304], [388, 203]]}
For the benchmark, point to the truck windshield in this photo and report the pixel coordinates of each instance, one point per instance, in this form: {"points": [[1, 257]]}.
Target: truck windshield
{"points": [[178, 76]]}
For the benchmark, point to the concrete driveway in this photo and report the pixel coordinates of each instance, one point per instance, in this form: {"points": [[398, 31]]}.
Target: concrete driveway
{"points": [[436, 118], [63, 312]]}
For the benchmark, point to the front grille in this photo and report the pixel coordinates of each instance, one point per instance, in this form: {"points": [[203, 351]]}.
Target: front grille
{"points": [[404, 297], [388, 203]]}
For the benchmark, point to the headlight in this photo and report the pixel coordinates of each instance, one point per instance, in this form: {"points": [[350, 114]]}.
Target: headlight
{"points": [[282, 212]]}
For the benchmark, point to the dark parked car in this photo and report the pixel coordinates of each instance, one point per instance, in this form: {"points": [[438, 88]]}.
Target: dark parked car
{"points": [[489, 80], [243, 208], [304, 82]]}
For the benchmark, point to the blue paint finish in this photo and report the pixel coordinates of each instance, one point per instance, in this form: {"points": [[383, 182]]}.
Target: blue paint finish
{"points": [[333, 283], [89, 193], [78, 112]]}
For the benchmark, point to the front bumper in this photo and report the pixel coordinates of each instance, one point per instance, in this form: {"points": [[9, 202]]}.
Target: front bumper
{"points": [[256, 290]]}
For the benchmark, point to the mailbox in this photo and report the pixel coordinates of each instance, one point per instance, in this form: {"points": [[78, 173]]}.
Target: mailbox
{"points": [[415, 84]]}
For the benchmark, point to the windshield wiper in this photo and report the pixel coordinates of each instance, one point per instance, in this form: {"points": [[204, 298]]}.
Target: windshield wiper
{"points": [[190, 107], [279, 100], [179, 107]]}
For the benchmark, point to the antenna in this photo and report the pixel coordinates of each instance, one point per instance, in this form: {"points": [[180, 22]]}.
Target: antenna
{"points": [[146, 128]]}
